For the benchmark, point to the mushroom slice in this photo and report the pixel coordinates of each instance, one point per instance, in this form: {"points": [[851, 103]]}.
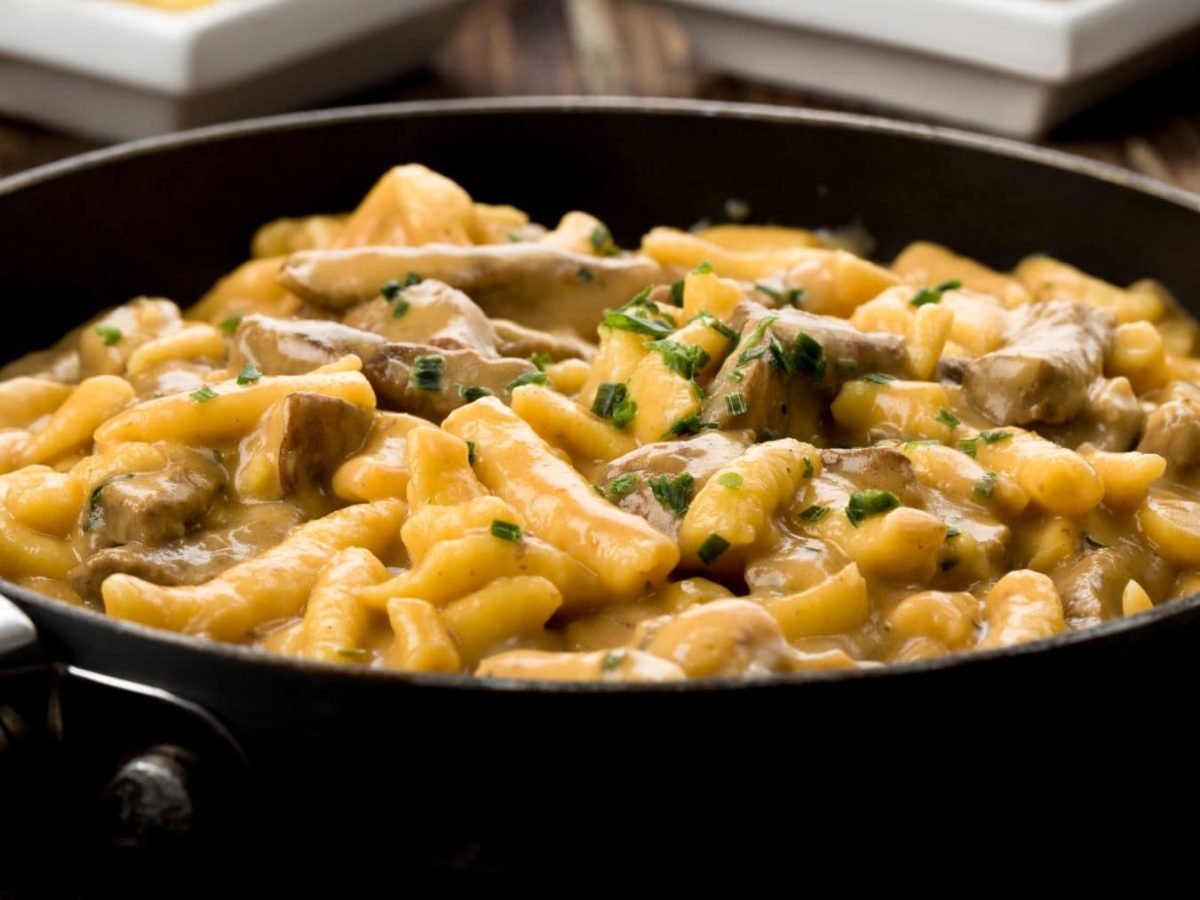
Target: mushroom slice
{"points": [[1052, 353], [429, 312], [535, 285], [298, 443]]}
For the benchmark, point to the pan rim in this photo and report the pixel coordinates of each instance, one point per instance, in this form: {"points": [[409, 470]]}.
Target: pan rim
{"points": [[560, 105]]}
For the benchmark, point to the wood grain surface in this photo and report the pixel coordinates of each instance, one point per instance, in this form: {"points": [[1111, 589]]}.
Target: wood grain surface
{"points": [[516, 47]]}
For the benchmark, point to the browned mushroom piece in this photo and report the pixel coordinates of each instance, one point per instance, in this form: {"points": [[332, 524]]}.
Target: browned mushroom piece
{"points": [[430, 312], [1173, 429], [778, 396], [629, 480], [517, 340], [533, 284], [1052, 353], [299, 443], [153, 507], [294, 346], [1092, 585], [235, 534]]}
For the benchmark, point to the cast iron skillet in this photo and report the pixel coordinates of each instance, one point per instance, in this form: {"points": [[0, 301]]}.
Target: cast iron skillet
{"points": [[442, 763]]}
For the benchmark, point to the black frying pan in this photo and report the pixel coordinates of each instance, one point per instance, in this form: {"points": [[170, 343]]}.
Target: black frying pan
{"points": [[438, 771]]}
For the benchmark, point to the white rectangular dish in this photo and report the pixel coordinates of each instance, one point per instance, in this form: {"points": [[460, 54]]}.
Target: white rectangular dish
{"points": [[114, 70], [1012, 66]]}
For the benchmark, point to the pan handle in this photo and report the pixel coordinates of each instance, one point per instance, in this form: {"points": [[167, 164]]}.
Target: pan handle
{"points": [[133, 772]]}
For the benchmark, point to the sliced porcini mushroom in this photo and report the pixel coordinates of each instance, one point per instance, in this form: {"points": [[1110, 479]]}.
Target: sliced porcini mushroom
{"points": [[300, 441], [1091, 587], [430, 312], [699, 457], [152, 508], [397, 376], [513, 339], [237, 533], [781, 401], [295, 346], [1052, 353], [533, 284]]}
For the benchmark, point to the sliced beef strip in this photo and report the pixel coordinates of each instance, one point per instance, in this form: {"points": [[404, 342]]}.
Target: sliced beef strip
{"points": [[1052, 353], [432, 313], [698, 456], [1091, 586], [295, 346], [199, 557], [537, 285], [154, 507]]}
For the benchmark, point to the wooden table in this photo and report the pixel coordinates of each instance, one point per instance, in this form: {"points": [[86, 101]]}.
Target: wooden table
{"points": [[514, 47]]}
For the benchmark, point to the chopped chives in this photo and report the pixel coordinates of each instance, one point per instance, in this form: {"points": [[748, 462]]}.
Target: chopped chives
{"points": [[736, 404], [203, 395], [506, 531], [609, 395], [869, 503], [711, 549], [427, 373], [527, 378], [249, 374]]}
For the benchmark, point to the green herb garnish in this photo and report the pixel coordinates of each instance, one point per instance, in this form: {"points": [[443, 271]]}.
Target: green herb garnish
{"points": [[92, 518], [780, 360], [731, 480], [688, 425], [609, 395], [815, 513], [684, 361], [986, 486], [785, 297], [352, 652], [736, 404], [948, 418], [808, 468], [675, 494], [969, 446], [934, 294], [110, 334], [624, 413], [585, 275], [952, 532], [716, 325], [203, 395], [427, 372], [622, 485], [602, 241], [995, 437], [541, 360], [472, 453], [870, 503], [711, 548], [847, 365], [677, 293], [809, 356], [474, 392], [612, 660], [879, 378], [623, 321], [527, 378], [705, 268], [229, 326], [506, 531], [249, 374]]}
